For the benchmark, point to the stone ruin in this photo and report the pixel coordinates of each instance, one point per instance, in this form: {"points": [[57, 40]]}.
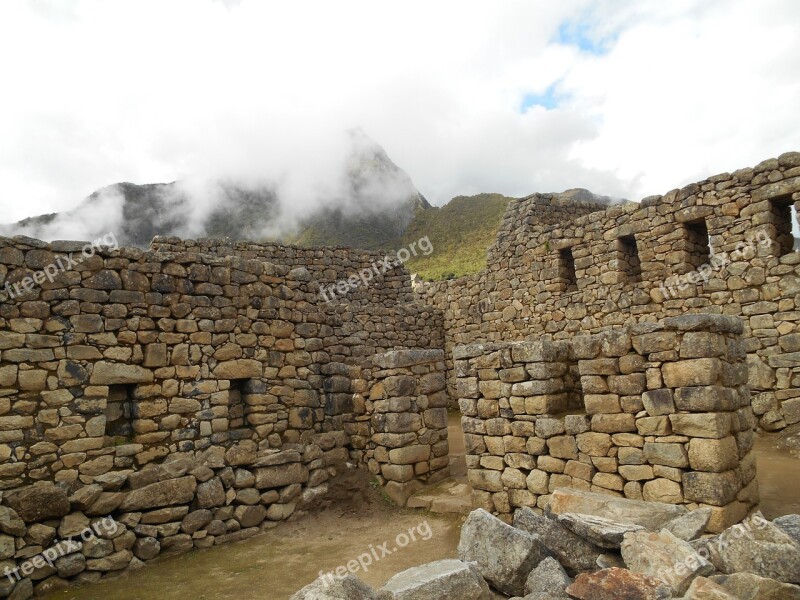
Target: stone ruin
{"points": [[202, 391]]}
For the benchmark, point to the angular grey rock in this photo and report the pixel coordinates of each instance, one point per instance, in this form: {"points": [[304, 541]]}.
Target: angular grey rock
{"points": [[666, 557], [598, 530], [505, 556], [790, 525], [757, 546], [447, 578], [650, 515], [691, 525], [753, 587], [10, 522], [548, 578], [39, 502], [571, 550], [163, 493], [347, 588]]}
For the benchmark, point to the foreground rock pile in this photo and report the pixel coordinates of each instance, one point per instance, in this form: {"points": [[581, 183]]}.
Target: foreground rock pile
{"points": [[590, 546]]}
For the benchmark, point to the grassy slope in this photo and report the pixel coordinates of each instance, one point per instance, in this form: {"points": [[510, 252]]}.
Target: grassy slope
{"points": [[460, 232]]}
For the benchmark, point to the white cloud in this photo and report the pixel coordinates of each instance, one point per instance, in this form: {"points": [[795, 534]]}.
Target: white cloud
{"points": [[146, 91]]}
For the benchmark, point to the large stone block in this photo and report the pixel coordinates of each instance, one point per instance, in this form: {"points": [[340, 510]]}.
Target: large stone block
{"points": [[333, 587], [238, 369], [163, 493], [657, 554], [711, 398], [668, 454], [39, 502], [571, 550], [717, 489], [651, 515], [706, 425], [447, 578], [688, 373], [504, 555], [616, 584], [281, 475], [106, 373], [715, 455]]}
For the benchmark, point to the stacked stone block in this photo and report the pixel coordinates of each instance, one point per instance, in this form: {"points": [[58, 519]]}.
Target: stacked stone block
{"points": [[523, 292], [407, 415], [666, 417]]}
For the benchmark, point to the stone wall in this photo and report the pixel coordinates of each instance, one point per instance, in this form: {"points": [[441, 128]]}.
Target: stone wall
{"points": [[665, 416], [195, 398], [642, 262], [407, 416]]}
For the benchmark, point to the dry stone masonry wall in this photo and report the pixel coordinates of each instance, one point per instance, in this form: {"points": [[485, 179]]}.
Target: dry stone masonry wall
{"points": [[558, 271], [665, 417], [195, 398]]}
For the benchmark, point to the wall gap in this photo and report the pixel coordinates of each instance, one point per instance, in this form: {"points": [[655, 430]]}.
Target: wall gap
{"points": [[784, 218], [628, 260], [566, 270], [237, 407], [119, 411], [698, 243]]}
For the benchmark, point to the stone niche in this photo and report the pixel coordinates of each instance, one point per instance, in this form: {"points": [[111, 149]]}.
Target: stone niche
{"points": [[662, 414]]}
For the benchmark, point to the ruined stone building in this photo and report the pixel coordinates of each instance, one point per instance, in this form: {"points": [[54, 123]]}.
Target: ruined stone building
{"points": [[202, 391]]}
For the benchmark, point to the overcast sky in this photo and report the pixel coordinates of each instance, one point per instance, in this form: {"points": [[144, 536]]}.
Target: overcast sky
{"points": [[625, 98]]}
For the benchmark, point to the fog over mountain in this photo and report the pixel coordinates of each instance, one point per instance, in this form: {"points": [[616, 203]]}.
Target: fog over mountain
{"points": [[362, 198]]}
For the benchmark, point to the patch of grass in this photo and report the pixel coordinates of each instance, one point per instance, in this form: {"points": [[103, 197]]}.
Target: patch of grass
{"points": [[461, 232]]}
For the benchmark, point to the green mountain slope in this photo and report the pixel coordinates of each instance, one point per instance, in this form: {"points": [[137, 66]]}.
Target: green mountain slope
{"points": [[460, 233]]}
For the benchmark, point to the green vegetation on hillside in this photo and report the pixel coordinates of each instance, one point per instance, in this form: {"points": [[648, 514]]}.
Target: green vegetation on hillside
{"points": [[461, 232]]}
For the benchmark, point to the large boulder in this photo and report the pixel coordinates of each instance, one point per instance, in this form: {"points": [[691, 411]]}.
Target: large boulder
{"points": [[349, 587], [664, 556], [650, 515], [548, 578], [504, 555], [705, 589], [39, 502], [618, 584], [790, 525], [691, 525], [753, 587], [759, 547], [448, 578], [571, 550], [597, 530]]}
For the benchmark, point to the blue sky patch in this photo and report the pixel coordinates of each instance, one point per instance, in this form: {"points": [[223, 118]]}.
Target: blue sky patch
{"points": [[578, 33], [548, 100]]}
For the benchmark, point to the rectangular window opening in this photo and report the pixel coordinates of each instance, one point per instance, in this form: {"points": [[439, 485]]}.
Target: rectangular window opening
{"points": [[628, 259], [119, 412], [698, 243], [566, 270], [784, 218], [237, 407]]}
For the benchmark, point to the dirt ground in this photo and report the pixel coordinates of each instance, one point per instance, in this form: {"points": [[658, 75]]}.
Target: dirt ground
{"points": [[274, 565], [778, 465], [354, 519]]}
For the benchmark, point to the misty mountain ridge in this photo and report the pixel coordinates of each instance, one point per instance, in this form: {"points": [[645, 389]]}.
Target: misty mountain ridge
{"points": [[374, 205], [369, 204]]}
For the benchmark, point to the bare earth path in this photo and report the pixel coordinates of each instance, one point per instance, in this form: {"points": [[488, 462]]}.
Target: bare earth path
{"points": [[276, 564]]}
